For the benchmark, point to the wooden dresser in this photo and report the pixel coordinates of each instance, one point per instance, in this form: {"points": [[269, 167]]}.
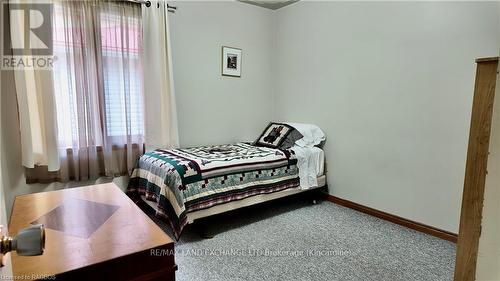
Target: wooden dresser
{"points": [[92, 233]]}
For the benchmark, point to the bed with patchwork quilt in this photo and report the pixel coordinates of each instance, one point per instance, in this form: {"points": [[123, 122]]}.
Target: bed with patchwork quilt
{"points": [[182, 181]]}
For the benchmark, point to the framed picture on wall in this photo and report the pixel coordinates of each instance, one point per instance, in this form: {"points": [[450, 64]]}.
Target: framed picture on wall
{"points": [[231, 61]]}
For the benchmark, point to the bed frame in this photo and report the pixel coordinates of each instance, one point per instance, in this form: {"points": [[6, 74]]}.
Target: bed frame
{"points": [[252, 200]]}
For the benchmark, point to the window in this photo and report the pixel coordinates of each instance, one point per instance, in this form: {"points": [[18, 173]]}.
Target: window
{"points": [[97, 74], [121, 74]]}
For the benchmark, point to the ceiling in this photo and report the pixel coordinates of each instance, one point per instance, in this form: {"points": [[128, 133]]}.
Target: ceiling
{"points": [[271, 4]]}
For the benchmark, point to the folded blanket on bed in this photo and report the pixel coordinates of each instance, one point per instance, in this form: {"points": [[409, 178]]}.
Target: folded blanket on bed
{"points": [[191, 179]]}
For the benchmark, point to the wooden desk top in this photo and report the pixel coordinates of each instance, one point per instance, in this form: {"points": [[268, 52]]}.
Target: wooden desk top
{"points": [[84, 226]]}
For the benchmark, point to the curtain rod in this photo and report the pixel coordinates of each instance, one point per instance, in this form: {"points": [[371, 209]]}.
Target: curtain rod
{"points": [[171, 9]]}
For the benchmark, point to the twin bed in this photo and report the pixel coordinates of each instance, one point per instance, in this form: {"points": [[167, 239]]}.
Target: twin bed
{"points": [[183, 185]]}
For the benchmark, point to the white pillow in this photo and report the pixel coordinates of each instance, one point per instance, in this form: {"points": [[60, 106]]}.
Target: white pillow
{"points": [[313, 135]]}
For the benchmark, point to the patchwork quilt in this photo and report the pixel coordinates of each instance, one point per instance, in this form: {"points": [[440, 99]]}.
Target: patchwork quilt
{"points": [[191, 179]]}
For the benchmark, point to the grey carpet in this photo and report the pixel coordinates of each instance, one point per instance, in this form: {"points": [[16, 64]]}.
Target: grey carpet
{"points": [[324, 242]]}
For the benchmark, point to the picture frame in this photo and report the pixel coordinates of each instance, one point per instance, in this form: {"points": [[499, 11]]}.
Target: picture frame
{"points": [[231, 61]]}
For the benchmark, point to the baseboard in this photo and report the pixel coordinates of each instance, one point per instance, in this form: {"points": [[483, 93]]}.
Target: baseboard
{"points": [[443, 234]]}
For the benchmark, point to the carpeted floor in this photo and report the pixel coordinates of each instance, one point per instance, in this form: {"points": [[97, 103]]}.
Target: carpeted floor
{"points": [[293, 239]]}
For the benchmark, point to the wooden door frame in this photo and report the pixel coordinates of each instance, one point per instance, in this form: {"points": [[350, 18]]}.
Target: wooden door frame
{"points": [[475, 172]]}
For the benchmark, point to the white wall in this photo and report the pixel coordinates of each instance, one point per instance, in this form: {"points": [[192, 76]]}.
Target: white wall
{"points": [[215, 109], [391, 85], [6, 270]]}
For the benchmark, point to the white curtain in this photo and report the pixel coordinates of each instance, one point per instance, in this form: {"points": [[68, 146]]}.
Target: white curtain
{"points": [[161, 115], [98, 86], [36, 105]]}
